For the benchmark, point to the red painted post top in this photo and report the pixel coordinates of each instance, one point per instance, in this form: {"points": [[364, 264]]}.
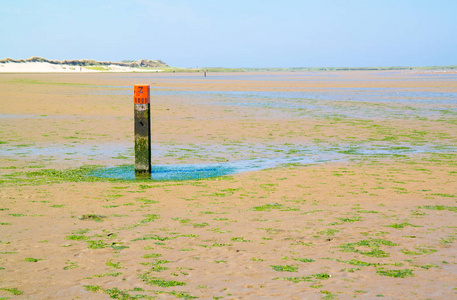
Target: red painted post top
{"points": [[141, 93]]}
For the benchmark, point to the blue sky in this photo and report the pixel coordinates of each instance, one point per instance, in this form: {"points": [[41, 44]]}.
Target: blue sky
{"points": [[235, 33]]}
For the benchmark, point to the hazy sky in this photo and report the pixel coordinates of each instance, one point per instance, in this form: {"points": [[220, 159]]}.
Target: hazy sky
{"points": [[234, 33]]}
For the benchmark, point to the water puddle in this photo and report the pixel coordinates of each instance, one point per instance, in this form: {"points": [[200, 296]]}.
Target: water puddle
{"points": [[66, 152], [179, 172], [166, 172], [391, 95], [210, 153], [244, 77], [198, 161], [58, 117], [346, 102], [182, 172]]}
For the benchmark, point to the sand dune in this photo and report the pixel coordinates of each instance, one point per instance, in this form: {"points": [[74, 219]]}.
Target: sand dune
{"points": [[44, 67]]}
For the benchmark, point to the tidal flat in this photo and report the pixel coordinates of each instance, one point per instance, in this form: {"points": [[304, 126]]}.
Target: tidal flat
{"points": [[283, 185]]}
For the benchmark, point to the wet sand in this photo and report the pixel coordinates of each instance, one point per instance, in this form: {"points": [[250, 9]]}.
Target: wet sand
{"points": [[376, 218]]}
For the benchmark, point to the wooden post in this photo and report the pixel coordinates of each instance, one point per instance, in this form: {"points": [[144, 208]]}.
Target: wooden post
{"points": [[141, 96]]}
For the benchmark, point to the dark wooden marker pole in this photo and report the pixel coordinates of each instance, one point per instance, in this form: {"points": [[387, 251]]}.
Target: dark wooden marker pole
{"points": [[141, 95]]}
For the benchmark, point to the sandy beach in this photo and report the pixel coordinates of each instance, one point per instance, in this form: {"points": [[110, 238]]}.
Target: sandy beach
{"points": [[339, 185]]}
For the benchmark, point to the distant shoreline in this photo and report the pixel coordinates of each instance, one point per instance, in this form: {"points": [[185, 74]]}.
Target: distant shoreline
{"points": [[38, 64]]}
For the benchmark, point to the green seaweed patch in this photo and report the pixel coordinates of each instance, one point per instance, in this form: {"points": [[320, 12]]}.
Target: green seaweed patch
{"points": [[239, 239], [395, 273], [196, 225], [47, 176], [309, 278], [356, 262], [152, 255], [148, 218], [286, 268], [113, 265], [419, 251], [91, 217], [116, 246], [145, 186], [147, 201], [31, 259], [373, 244], [98, 244], [116, 293], [439, 207], [110, 206], [112, 274], [326, 295], [156, 266], [267, 207], [92, 288], [368, 211], [13, 291], [271, 206], [151, 280], [444, 195], [70, 265], [328, 231], [89, 173], [57, 205], [153, 237], [305, 260], [401, 225], [217, 245], [351, 219]]}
